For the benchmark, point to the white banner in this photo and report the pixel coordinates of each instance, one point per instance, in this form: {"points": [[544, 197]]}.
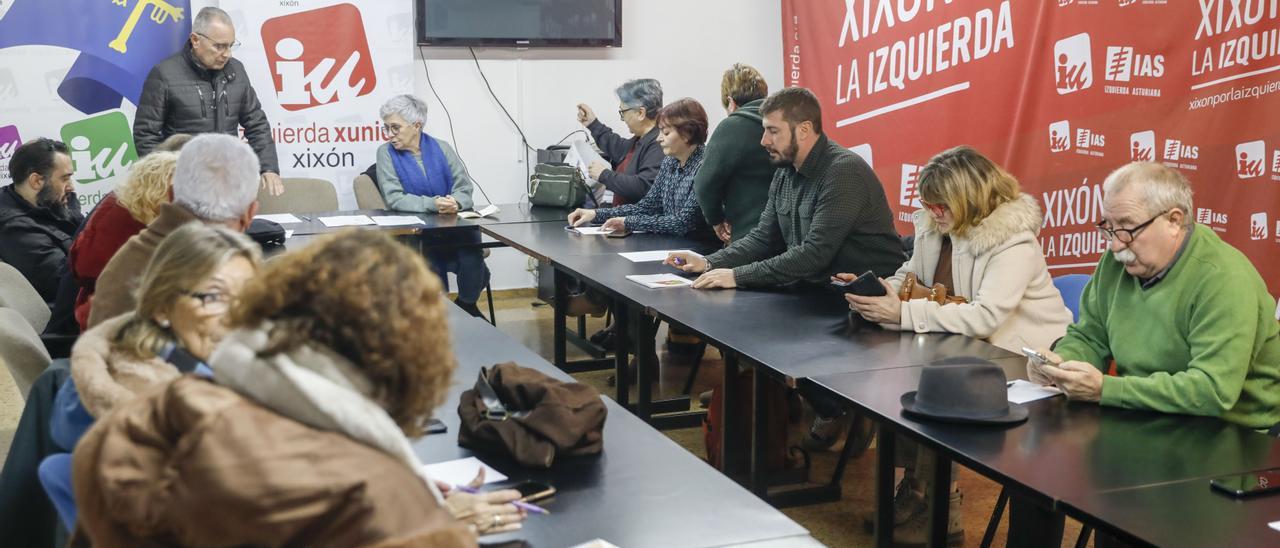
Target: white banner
{"points": [[72, 69]]}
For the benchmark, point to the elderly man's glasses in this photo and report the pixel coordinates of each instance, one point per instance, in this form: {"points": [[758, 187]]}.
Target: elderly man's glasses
{"points": [[1126, 235], [220, 47], [622, 113]]}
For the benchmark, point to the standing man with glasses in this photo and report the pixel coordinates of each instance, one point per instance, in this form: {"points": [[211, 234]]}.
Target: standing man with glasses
{"points": [[202, 89]]}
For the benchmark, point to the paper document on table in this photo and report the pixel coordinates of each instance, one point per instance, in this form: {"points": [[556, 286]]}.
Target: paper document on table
{"points": [[597, 543], [280, 218], [288, 234], [656, 281], [346, 220], [398, 220], [650, 256], [487, 211], [1021, 391], [462, 471], [592, 230]]}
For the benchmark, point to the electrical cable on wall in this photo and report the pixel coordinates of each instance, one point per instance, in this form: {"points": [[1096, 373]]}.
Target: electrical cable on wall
{"points": [[523, 139], [453, 135]]}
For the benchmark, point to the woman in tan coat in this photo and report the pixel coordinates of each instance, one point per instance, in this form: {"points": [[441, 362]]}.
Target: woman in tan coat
{"points": [[977, 237]]}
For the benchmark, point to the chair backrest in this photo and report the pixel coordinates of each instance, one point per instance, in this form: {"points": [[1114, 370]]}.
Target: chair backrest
{"points": [[1071, 286], [18, 293], [367, 194], [301, 195], [24, 355]]}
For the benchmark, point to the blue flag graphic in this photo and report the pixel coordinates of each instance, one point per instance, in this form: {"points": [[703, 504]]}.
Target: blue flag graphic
{"points": [[119, 42]]}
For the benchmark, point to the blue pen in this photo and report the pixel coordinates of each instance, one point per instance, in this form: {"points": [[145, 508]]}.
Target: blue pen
{"points": [[531, 508]]}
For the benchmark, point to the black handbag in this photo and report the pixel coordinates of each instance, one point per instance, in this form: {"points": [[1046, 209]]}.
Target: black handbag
{"points": [[268, 234]]}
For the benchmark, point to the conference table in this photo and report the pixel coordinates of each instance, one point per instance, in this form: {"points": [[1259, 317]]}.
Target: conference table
{"points": [[642, 490]]}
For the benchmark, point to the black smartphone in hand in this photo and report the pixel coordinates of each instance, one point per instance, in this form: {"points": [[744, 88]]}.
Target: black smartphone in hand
{"points": [[1248, 485], [866, 285]]}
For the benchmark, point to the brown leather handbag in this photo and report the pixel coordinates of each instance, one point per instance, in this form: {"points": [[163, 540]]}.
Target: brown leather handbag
{"points": [[532, 417], [913, 289]]}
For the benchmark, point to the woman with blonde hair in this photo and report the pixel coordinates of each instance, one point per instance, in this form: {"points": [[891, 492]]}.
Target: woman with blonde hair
{"points": [[338, 354], [976, 239], [115, 219]]}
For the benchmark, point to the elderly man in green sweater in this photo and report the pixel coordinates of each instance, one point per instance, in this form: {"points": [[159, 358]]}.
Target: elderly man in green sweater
{"points": [[1185, 316]]}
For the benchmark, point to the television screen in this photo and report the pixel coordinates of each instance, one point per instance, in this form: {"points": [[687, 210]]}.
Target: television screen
{"points": [[520, 23]]}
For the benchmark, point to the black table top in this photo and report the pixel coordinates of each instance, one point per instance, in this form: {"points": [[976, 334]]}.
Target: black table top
{"points": [[796, 332], [1069, 450], [523, 212], [1185, 513], [549, 241], [643, 490]]}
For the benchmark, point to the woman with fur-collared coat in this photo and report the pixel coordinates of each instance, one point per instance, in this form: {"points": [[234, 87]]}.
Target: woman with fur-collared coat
{"points": [[977, 237]]}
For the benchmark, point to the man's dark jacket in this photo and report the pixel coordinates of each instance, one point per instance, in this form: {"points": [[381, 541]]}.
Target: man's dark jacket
{"points": [[180, 96], [35, 241]]}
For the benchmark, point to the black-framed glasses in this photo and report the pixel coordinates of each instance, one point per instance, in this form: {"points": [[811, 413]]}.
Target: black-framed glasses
{"points": [[220, 47], [1127, 235], [211, 299], [623, 112], [393, 129]]}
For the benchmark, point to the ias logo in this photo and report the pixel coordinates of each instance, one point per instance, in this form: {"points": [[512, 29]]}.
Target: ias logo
{"points": [[101, 146], [908, 194], [318, 57], [1060, 136], [864, 151], [1258, 226], [1073, 64], [1250, 158], [1142, 146]]}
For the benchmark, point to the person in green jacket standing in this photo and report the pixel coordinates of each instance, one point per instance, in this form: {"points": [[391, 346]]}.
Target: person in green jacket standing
{"points": [[733, 183], [1184, 319]]}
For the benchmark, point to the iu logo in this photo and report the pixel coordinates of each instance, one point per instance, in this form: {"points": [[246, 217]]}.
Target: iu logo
{"points": [[1250, 158], [1073, 64], [908, 194], [1060, 136], [1142, 146], [9, 141], [101, 146], [864, 151], [1258, 226], [318, 57]]}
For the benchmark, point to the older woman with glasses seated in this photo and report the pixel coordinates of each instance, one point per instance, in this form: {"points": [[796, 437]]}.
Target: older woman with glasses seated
{"points": [[634, 161], [417, 172], [975, 237]]}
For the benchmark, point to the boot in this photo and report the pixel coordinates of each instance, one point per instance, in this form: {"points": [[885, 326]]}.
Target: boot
{"points": [[915, 532]]}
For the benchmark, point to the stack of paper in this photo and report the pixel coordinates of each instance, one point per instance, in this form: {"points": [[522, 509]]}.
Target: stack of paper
{"points": [[1021, 391], [656, 281], [487, 211], [346, 220], [462, 471], [398, 220], [591, 230], [650, 256]]}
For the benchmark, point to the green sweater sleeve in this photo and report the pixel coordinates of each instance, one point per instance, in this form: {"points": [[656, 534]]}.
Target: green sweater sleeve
{"points": [[1086, 340], [1220, 357], [712, 180], [463, 186], [763, 241]]}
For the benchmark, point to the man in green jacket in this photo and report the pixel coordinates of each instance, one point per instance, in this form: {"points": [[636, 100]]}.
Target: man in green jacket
{"points": [[733, 183], [826, 211], [1186, 317]]}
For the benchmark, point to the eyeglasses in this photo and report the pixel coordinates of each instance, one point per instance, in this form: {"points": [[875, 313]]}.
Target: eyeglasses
{"points": [[623, 112], [219, 47], [393, 129], [1126, 235], [211, 301], [937, 210]]}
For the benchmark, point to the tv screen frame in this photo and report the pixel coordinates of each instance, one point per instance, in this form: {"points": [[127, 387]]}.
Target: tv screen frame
{"points": [[420, 29]]}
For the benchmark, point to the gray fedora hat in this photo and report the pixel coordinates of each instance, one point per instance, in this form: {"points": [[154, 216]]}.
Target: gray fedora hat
{"points": [[967, 390]]}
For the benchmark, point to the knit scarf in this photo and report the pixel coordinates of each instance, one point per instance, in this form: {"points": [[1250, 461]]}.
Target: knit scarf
{"points": [[433, 179]]}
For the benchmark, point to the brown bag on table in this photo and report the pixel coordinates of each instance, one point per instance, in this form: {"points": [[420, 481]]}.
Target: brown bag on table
{"points": [[913, 289], [532, 417]]}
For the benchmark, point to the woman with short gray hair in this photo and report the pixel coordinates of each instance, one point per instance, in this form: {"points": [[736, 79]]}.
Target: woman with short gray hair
{"points": [[417, 172], [633, 162]]}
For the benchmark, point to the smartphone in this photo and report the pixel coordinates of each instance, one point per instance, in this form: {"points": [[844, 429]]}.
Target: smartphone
{"points": [[1248, 485], [1037, 357], [866, 285], [531, 491], [436, 426]]}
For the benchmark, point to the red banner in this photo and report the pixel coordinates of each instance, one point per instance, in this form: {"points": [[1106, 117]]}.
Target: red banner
{"points": [[1059, 92]]}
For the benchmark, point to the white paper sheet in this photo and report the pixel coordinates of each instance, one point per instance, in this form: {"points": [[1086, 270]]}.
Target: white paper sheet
{"points": [[288, 234], [583, 156], [1274, 525], [1021, 391], [592, 231], [487, 211], [597, 543], [462, 471], [281, 218], [397, 220], [346, 220], [650, 256], [657, 281]]}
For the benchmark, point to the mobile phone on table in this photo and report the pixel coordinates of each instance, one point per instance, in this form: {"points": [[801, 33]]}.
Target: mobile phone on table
{"points": [[1248, 485], [436, 426], [531, 491], [866, 285], [1037, 357]]}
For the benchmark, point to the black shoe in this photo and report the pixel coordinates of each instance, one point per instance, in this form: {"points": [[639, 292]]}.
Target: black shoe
{"points": [[603, 338], [469, 308], [633, 373]]}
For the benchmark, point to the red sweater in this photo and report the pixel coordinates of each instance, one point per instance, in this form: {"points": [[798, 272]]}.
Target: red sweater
{"points": [[109, 226]]}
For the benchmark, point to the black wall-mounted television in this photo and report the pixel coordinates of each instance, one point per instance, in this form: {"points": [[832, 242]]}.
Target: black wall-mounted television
{"points": [[519, 23]]}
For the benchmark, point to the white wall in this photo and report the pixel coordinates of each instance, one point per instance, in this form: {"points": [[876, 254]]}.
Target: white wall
{"points": [[685, 44]]}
